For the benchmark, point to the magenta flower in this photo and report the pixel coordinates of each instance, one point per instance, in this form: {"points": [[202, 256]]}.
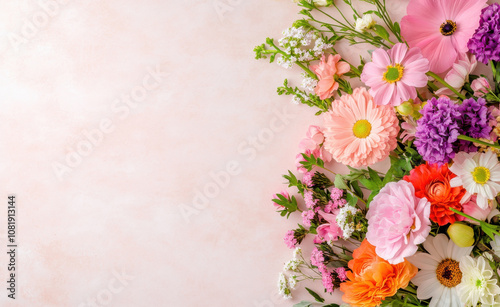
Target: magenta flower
{"points": [[441, 28], [398, 221], [394, 75]]}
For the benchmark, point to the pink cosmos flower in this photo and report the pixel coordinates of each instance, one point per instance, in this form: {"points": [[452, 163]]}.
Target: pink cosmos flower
{"points": [[458, 74], [330, 231], [359, 132], [480, 86], [398, 221], [394, 75], [441, 28], [326, 71]]}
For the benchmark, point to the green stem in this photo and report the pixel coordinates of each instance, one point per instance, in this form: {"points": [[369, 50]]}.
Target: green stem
{"points": [[440, 80], [352, 192], [466, 138], [307, 70]]}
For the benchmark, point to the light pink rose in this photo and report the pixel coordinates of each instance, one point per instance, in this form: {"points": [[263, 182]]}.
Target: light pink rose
{"points": [[326, 71], [480, 86], [471, 208], [313, 140], [398, 221], [330, 231], [459, 73]]}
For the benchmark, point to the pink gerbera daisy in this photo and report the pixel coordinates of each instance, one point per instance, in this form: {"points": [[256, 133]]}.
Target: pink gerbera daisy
{"points": [[394, 75], [358, 132], [441, 28]]}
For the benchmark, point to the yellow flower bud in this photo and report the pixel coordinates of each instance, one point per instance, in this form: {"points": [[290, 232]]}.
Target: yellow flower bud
{"points": [[406, 108], [461, 234]]}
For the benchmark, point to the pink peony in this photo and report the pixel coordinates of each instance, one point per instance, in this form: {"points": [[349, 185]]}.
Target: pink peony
{"points": [[471, 208], [398, 221], [480, 86], [441, 28], [458, 74], [329, 231], [326, 72], [394, 75], [358, 132]]}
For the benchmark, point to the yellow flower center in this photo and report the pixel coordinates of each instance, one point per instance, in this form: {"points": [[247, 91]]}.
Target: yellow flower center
{"points": [[448, 28], [448, 273], [481, 175], [393, 73], [362, 129]]}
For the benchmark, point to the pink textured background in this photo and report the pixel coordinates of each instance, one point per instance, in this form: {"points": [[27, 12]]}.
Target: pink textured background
{"points": [[118, 210]]}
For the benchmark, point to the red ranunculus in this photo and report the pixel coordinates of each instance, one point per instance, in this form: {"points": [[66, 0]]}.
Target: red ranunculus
{"points": [[433, 182]]}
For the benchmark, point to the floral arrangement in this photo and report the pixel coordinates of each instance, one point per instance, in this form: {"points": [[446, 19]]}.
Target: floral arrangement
{"points": [[426, 232]]}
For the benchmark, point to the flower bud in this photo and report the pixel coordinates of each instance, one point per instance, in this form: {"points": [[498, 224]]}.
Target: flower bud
{"points": [[480, 86], [461, 234], [406, 108]]}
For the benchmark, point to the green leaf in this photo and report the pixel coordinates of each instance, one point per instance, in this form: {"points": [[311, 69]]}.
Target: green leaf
{"points": [[357, 189], [381, 31], [352, 200], [339, 182], [315, 295], [369, 184], [375, 177], [397, 28], [303, 304], [331, 305]]}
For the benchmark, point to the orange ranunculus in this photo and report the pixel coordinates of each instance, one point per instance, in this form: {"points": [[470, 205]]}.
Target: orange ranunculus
{"points": [[373, 279], [433, 182]]}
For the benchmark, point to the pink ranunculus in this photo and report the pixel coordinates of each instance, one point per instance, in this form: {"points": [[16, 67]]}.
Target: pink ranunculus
{"points": [[330, 231], [326, 71], [459, 73], [471, 208], [398, 221], [480, 86]]}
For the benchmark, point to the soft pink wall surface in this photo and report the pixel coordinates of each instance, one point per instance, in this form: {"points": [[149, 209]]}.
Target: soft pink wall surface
{"points": [[115, 117]]}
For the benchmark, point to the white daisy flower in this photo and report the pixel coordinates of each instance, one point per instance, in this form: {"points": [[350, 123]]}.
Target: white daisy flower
{"points": [[495, 245], [478, 282], [440, 272], [479, 173]]}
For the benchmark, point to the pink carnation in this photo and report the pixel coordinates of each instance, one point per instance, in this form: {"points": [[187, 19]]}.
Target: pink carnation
{"points": [[326, 72], [398, 221], [330, 231], [313, 140]]}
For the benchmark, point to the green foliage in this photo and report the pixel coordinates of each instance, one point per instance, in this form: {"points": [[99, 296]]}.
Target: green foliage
{"points": [[315, 295], [309, 99]]}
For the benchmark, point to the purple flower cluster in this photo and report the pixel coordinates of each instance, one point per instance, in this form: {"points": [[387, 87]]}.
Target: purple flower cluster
{"points": [[443, 121], [475, 122], [484, 42], [438, 130]]}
